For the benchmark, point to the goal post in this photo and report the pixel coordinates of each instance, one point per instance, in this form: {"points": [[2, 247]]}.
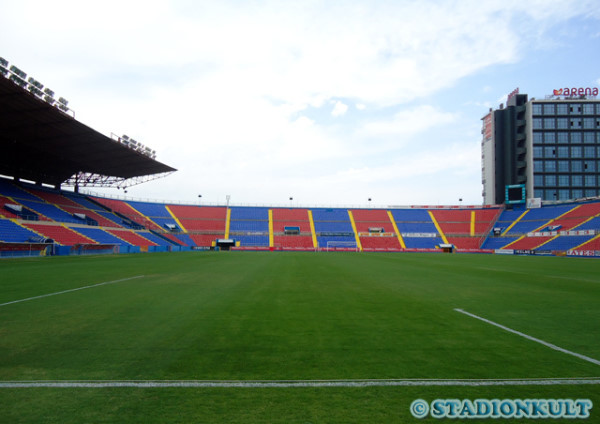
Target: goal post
{"points": [[347, 246]]}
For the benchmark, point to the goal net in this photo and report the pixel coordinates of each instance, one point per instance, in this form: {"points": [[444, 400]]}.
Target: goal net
{"points": [[348, 246]]}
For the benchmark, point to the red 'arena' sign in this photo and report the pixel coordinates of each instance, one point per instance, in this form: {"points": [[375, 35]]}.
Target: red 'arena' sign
{"points": [[570, 92]]}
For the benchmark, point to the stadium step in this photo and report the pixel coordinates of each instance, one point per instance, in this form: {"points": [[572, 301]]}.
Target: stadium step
{"points": [[438, 228], [358, 244], [395, 227], [176, 219], [312, 229]]}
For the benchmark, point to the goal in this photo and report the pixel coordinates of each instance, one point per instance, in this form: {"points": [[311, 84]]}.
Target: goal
{"points": [[347, 246]]}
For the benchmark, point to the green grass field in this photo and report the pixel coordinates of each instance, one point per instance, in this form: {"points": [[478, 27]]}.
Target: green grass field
{"points": [[288, 316]]}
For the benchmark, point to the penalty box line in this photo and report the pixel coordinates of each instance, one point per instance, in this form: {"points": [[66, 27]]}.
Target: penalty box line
{"points": [[71, 290], [282, 384], [528, 337]]}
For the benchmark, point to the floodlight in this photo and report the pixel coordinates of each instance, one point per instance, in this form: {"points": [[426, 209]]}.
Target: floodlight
{"points": [[18, 72], [3, 66], [63, 101], [49, 92], [21, 82], [35, 91], [124, 137], [49, 100], [35, 83]]}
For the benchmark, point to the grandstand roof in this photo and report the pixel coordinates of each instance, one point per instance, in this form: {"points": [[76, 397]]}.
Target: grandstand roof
{"points": [[40, 143]]}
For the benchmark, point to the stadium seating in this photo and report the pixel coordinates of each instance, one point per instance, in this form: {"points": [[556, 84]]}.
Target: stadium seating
{"points": [[593, 244], [9, 189], [561, 227], [422, 242], [14, 233], [126, 211], [564, 243], [293, 242], [60, 234], [101, 236], [132, 237], [5, 212], [375, 243]]}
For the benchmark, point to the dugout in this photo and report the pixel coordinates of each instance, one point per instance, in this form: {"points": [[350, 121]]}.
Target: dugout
{"points": [[224, 244], [447, 248]]}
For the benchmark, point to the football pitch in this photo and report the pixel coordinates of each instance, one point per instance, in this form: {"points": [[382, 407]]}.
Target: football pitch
{"points": [[281, 337]]}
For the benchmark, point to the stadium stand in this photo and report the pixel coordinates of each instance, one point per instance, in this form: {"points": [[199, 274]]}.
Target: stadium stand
{"points": [[551, 228], [127, 213], [4, 210], [292, 218], [11, 232], [132, 237], [59, 233], [100, 235]]}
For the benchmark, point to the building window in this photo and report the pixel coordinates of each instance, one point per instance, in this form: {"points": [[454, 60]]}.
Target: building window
{"points": [[588, 109], [590, 181], [589, 137], [538, 166], [563, 151], [549, 123], [550, 180], [537, 152], [589, 152], [575, 108], [563, 194], [538, 193], [590, 192], [549, 152], [590, 166], [577, 193], [537, 123], [563, 137], [537, 109], [576, 137], [562, 109], [576, 166], [563, 166], [577, 180], [550, 166], [562, 123], [575, 151], [549, 109], [589, 123], [575, 123], [563, 181], [538, 180], [550, 195], [549, 137], [537, 137]]}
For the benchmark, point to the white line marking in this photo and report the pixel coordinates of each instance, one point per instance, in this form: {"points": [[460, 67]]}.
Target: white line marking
{"points": [[70, 290], [550, 345], [290, 383]]}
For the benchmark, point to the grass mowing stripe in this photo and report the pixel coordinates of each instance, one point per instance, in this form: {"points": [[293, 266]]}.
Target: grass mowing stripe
{"points": [[296, 383], [550, 345], [70, 290]]}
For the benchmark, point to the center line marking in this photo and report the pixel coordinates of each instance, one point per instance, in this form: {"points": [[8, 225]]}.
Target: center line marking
{"points": [[528, 337], [71, 290], [256, 384]]}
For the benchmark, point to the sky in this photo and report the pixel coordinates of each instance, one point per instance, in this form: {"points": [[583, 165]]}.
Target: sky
{"points": [[325, 102]]}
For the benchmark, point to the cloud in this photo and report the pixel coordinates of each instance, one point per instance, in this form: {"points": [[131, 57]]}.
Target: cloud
{"points": [[339, 109], [408, 122]]}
